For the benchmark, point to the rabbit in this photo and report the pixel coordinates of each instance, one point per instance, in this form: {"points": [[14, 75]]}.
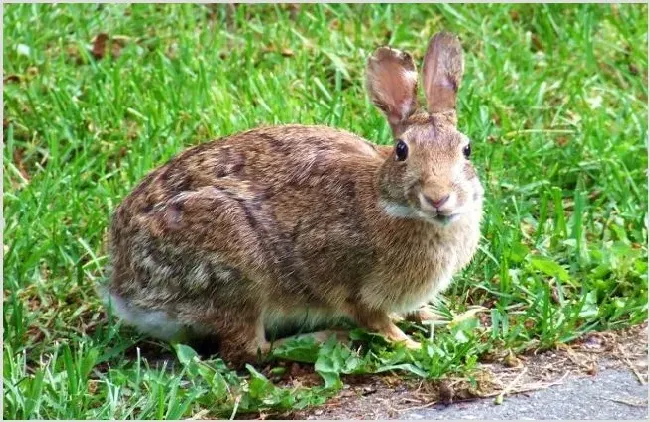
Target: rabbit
{"points": [[237, 236]]}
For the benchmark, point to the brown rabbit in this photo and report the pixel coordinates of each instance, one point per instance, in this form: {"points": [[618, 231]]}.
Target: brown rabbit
{"points": [[291, 223]]}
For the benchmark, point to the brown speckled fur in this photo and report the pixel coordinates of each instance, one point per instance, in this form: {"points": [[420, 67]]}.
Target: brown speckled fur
{"points": [[276, 223]]}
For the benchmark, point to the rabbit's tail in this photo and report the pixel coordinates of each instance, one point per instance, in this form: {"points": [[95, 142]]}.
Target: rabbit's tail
{"points": [[156, 323]]}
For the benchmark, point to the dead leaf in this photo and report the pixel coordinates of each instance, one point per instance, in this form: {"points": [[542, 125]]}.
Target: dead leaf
{"points": [[99, 45], [92, 386], [171, 50], [132, 129], [537, 43], [594, 195], [287, 52], [555, 297], [11, 79], [72, 51], [18, 159], [561, 141], [103, 44], [527, 229], [120, 40], [116, 49], [213, 10], [512, 361], [592, 369], [294, 9]]}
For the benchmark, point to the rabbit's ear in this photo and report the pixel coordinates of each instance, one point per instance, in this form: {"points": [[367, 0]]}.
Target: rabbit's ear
{"points": [[442, 72], [391, 80]]}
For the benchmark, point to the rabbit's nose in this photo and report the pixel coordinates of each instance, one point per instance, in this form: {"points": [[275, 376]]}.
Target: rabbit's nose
{"points": [[437, 203]]}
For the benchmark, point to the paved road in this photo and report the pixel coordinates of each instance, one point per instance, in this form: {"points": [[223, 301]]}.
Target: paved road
{"points": [[603, 396]]}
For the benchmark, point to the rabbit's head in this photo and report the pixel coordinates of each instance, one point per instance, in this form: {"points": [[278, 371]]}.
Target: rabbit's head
{"points": [[429, 174]]}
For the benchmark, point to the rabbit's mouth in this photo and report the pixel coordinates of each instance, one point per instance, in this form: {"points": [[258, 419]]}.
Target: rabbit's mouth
{"points": [[445, 219], [404, 211]]}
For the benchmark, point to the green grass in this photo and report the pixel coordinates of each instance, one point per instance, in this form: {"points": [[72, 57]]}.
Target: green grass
{"points": [[554, 97]]}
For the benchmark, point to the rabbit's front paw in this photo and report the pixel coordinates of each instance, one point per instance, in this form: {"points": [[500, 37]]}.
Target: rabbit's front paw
{"points": [[412, 344]]}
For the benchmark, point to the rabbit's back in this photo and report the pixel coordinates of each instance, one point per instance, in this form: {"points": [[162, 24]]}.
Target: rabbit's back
{"points": [[271, 212], [266, 158]]}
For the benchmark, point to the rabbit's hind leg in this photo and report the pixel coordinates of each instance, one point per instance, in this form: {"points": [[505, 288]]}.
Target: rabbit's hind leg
{"points": [[242, 340], [246, 342]]}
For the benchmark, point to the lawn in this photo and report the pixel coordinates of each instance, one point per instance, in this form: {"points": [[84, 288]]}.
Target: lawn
{"points": [[554, 99]]}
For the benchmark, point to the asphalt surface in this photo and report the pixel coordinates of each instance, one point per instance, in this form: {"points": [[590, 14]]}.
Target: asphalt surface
{"points": [[611, 394]]}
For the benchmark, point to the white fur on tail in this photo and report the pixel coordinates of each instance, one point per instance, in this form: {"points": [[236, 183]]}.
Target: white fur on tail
{"points": [[155, 323]]}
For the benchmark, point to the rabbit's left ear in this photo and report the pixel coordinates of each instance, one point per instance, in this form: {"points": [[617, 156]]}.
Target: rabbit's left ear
{"points": [[442, 72], [392, 80]]}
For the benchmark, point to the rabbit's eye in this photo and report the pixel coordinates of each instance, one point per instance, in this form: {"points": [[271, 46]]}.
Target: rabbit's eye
{"points": [[401, 150], [467, 150]]}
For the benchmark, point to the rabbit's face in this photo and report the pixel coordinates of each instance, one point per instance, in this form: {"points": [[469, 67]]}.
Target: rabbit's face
{"points": [[430, 174]]}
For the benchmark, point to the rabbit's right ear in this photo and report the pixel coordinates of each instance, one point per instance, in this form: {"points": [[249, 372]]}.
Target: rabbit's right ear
{"points": [[391, 80]]}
